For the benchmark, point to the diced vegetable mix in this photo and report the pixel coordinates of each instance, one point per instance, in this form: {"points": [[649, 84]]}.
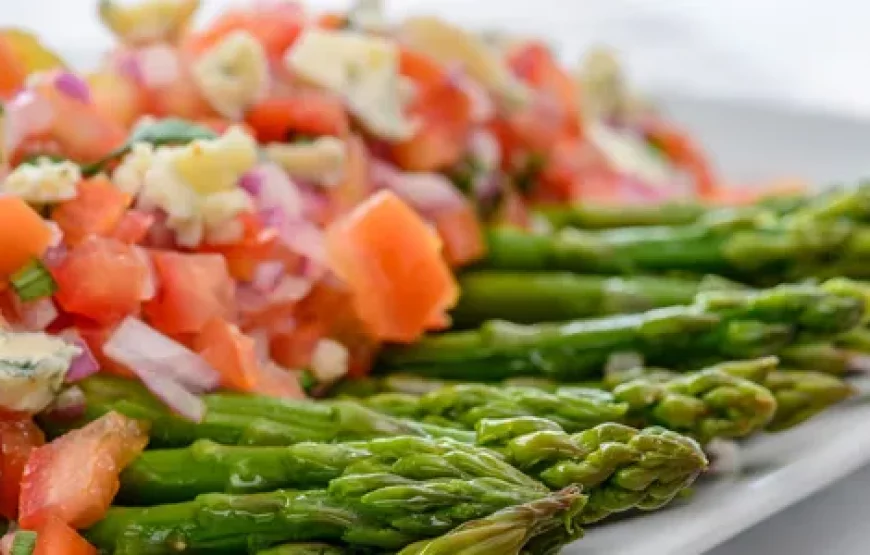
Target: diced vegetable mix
{"points": [[265, 203]]}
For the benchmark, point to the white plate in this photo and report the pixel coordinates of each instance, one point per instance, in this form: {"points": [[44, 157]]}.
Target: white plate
{"points": [[752, 142]]}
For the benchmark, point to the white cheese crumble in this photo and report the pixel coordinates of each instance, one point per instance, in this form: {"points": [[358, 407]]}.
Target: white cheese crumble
{"points": [[233, 75], [32, 370], [197, 186], [43, 182], [330, 361], [630, 155], [322, 160], [364, 70], [148, 20]]}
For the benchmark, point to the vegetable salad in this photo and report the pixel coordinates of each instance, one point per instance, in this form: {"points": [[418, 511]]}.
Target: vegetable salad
{"points": [[260, 203]]}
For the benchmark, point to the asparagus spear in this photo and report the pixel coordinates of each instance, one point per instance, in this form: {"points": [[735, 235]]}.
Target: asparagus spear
{"points": [[539, 527], [661, 463], [751, 250], [719, 325], [367, 510], [242, 420], [606, 217], [705, 404], [169, 475], [307, 549]]}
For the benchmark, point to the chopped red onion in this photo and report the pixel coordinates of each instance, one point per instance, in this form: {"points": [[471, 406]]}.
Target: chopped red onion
{"points": [[304, 238], [140, 347], [127, 64], [176, 396], [54, 255], [73, 86], [291, 288], [267, 275], [277, 191], [56, 234], [485, 149], [252, 182], [27, 114], [482, 106], [85, 364], [6, 543], [261, 343], [69, 405], [159, 65], [149, 288], [427, 192], [36, 315]]}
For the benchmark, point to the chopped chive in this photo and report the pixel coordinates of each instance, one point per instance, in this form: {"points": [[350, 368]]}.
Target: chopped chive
{"points": [[307, 380], [33, 282], [23, 543]]}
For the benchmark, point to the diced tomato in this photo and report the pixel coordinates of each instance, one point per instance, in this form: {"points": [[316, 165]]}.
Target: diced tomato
{"points": [[275, 24], [536, 65], [276, 381], [97, 209], [116, 97], [392, 263], [278, 119], [682, 151], [256, 245], [332, 21], [443, 112], [181, 97], [294, 349], [133, 227], [75, 477], [355, 185], [14, 73], [461, 235], [231, 353], [55, 537], [19, 436], [192, 289], [23, 235], [102, 279]]}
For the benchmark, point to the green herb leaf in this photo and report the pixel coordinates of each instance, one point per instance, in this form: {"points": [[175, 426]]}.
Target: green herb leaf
{"points": [[307, 380], [170, 131], [33, 282], [34, 159], [23, 543]]}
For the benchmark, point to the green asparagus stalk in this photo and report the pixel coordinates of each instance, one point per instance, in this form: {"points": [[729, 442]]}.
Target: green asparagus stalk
{"points": [[705, 404], [170, 475], [752, 250], [540, 527], [719, 325], [376, 510], [306, 549], [529, 298], [242, 420]]}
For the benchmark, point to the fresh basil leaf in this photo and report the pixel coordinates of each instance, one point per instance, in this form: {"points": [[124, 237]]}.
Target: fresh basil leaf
{"points": [[170, 131]]}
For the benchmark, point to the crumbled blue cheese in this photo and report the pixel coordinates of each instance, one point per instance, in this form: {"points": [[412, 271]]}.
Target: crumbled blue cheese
{"points": [[368, 16], [234, 74], [362, 69], [630, 155], [129, 176], [321, 160], [44, 182], [197, 186], [32, 370]]}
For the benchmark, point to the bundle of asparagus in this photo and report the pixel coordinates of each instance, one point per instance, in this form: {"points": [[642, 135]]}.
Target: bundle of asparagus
{"points": [[719, 325]]}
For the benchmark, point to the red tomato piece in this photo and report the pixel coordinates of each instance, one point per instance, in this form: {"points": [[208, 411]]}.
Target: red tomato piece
{"points": [[96, 336], [23, 234], [683, 152], [536, 65], [19, 436], [277, 119], [75, 477], [275, 24], [443, 111], [256, 245], [14, 73], [102, 279], [55, 537], [133, 227], [97, 209], [392, 264], [461, 235], [231, 353], [192, 289]]}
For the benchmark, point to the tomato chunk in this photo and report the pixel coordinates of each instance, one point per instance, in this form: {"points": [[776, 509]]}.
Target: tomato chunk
{"points": [[231, 353], [97, 209], [102, 279], [278, 119], [23, 234], [462, 235], [392, 263], [75, 476], [133, 227], [192, 289], [19, 436], [55, 537]]}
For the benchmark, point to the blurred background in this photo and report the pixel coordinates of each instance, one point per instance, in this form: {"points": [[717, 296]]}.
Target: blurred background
{"points": [[806, 53]]}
